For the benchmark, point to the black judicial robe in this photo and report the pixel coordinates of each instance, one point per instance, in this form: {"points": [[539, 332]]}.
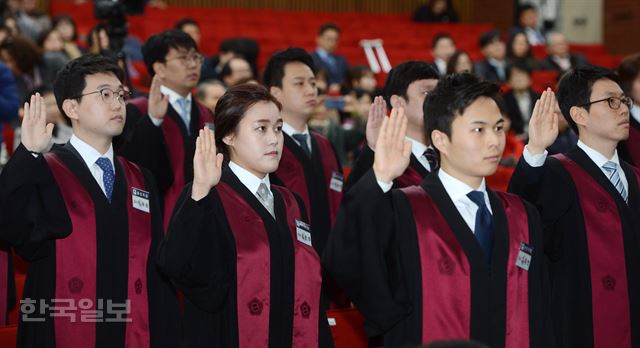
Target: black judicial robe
{"points": [[199, 256], [414, 173], [629, 150], [145, 144], [374, 256], [35, 216], [553, 191]]}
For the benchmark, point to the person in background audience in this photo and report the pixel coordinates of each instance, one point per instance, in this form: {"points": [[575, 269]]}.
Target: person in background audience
{"points": [[442, 48], [459, 62], [52, 46], [436, 11], [629, 73], [98, 40], [361, 77], [236, 70], [191, 27], [527, 22], [66, 26], [494, 67], [520, 99], [519, 50], [558, 56], [9, 99], [325, 57], [31, 21], [209, 92]]}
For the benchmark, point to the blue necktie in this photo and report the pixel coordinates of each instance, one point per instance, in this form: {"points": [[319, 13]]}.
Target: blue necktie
{"points": [[432, 157], [108, 176], [184, 114], [614, 177], [302, 140], [484, 229]]}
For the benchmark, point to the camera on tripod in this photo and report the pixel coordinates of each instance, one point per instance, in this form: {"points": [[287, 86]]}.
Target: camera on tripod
{"points": [[114, 13]]}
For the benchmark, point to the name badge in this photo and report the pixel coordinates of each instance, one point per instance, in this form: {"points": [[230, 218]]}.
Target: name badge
{"points": [[524, 256], [337, 180], [303, 231], [140, 199]]}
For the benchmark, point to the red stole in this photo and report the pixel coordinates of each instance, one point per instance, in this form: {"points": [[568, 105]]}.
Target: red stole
{"points": [[609, 288], [633, 143], [446, 307], [253, 273], [291, 172], [4, 284], [410, 177], [76, 260], [175, 148]]}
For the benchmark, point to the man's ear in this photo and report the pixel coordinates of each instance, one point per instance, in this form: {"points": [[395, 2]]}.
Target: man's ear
{"points": [[440, 141], [70, 107], [579, 115], [276, 92], [397, 101], [159, 69]]}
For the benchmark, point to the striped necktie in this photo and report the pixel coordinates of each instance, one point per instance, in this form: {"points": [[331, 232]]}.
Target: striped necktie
{"points": [[613, 175]]}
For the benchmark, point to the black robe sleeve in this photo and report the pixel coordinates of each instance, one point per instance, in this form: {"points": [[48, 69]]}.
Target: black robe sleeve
{"points": [[197, 254], [32, 204], [143, 143], [362, 255]]}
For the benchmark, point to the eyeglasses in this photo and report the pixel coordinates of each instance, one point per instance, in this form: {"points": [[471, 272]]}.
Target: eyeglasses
{"points": [[107, 94], [614, 102], [191, 58]]}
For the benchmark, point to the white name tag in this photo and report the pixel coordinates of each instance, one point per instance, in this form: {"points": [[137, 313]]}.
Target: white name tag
{"points": [[332, 321], [140, 199], [524, 256], [303, 231], [337, 180]]}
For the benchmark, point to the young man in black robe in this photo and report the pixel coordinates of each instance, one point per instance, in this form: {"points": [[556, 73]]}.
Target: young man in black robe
{"points": [[589, 201], [450, 258], [237, 246], [406, 86], [88, 222], [161, 130]]}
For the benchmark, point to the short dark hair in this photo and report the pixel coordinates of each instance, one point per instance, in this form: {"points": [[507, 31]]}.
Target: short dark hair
{"points": [[488, 37], [575, 87], [26, 55], [451, 97], [512, 38], [328, 26], [438, 37], [520, 67], [522, 9], [65, 18], [181, 23], [274, 70], [628, 71], [226, 68], [232, 107], [71, 80], [404, 74], [155, 49]]}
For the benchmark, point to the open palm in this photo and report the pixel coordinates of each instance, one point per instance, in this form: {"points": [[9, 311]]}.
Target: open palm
{"points": [[36, 133], [393, 151], [207, 164]]}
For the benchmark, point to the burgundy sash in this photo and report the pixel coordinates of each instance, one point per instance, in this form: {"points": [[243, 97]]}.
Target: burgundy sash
{"points": [[410, 177], [4, 275], [609, 290], [254, 269], [633, 145], [76, 260], [446, 308], [291, 172], [175, 148]]}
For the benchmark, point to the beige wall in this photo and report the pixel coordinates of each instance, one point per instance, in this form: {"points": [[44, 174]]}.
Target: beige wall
{"points": [[582, 20]]}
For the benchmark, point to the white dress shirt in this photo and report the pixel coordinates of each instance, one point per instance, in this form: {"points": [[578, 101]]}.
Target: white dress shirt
{"points": [[173, 100], [595, 156], [635, 112], [290, 131], [418, 149], [250, 181], [441, 64], [90, 156]]}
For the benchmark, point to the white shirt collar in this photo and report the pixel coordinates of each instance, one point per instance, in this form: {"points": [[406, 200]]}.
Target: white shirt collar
{"points": [[89, 154], [635, 112], [598, 158], [457, 190], [288, 130], [496, 63], [249, 180], [417, 148], [173, 95], [442, 65]]}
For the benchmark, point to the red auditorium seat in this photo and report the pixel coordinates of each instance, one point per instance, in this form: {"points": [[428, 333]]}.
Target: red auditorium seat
{"points": [[542, 79], [8, 336]]}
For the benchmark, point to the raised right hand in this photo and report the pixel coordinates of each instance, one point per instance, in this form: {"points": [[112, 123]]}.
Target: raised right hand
{"points": [[36, 133], [207, 165], [377, 113], [393, 151], [543, 125], [158, 103]]}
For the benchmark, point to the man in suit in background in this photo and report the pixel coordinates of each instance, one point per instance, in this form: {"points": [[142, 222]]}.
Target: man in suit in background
{"points": [[558, 56], [324, 57], [494, 66]]}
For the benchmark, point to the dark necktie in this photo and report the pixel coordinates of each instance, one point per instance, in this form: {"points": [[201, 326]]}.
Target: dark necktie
{"points": [[432, 157], [108, 176], [484, 229], [302, 140]]}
